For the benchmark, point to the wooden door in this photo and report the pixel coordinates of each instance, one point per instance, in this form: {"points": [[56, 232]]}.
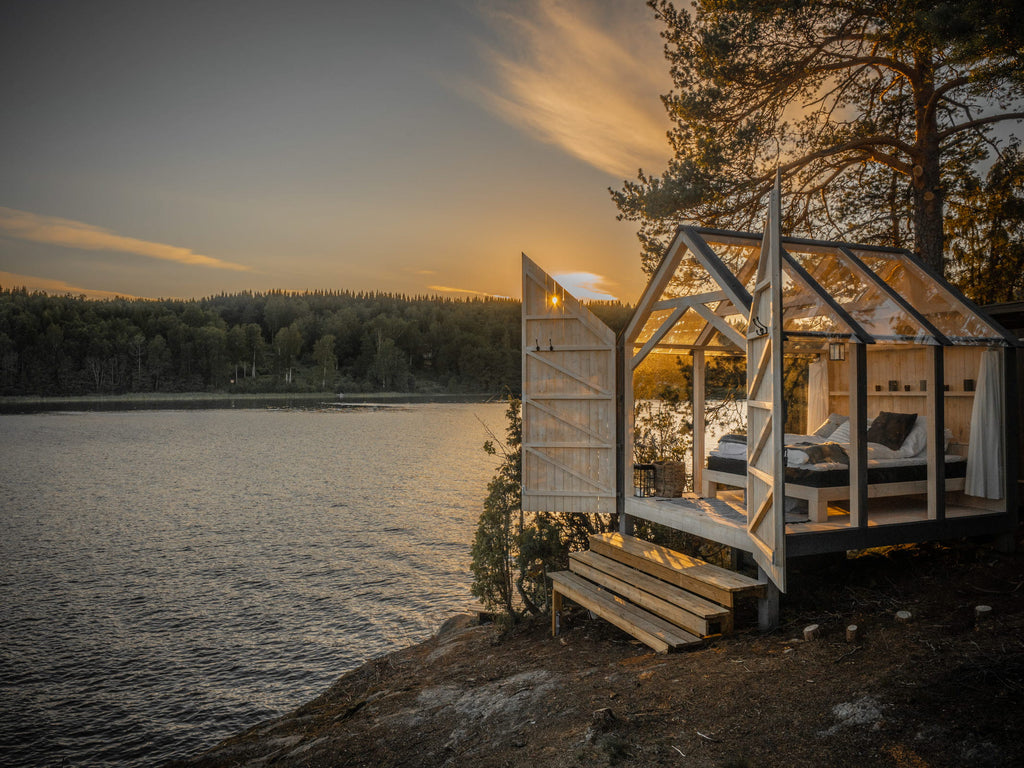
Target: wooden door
{"points": [[568, 401], [766, 521]]}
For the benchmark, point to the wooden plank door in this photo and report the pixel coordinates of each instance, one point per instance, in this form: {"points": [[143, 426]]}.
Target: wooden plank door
{"points": [[568, 401], [766, 521]]}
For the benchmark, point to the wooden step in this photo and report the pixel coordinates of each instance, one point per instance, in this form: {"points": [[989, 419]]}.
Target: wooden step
{"points": [[646, 627], [684, 609], [690, 573]]}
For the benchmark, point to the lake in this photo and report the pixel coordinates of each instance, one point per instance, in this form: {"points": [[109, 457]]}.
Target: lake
{"points": [[169, 578]]}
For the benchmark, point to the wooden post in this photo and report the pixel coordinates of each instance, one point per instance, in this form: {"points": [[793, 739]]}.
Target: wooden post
{"points": [[858, 401], [767, 606], [935, 404], [1011, 434], [623, 464], [698, 421], [556, 612]]}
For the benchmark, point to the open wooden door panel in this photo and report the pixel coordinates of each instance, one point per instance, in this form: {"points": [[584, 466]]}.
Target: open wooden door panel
{"points": [[766, 522], [568, 401]]}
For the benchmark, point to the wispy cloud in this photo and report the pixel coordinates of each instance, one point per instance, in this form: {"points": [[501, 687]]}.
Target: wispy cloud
{"points": [[587, 83], [57, 287], [449, 289], [67, 233], [584, 285]]}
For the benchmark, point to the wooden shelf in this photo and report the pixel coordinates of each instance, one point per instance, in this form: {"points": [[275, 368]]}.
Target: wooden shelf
{"points": [[902, 393]]}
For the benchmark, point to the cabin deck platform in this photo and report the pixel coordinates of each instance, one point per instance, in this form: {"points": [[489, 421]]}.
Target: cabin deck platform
{"points": [[721, 520], [724, 520]]}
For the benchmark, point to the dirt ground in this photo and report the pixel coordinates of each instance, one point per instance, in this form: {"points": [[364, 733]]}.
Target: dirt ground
{"points": [[939, 690]]}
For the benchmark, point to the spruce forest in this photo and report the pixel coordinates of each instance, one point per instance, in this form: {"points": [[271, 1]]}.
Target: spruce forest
{"points": [[262, 342]]}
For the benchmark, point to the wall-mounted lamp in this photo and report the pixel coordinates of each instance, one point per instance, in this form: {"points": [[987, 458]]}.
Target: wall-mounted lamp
{"points": [[836, 350], [554, 300]]}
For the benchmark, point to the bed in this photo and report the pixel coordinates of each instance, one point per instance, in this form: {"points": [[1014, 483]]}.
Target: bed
{"points": [[817, 466]]}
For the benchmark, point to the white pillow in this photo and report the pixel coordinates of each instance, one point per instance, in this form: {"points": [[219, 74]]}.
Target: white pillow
{"points": [[879, 451], [916, 441], [841, 433]]}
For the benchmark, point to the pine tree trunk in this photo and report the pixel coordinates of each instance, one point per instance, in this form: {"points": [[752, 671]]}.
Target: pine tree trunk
{"points": [[928, 220], [926, 181]]}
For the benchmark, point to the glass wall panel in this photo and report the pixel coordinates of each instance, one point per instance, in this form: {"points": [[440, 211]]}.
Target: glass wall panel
{"points": [[741, 260], [654, 322], [689, 279], [686, 329], [867, 303], [938, 306], [804, 311]]}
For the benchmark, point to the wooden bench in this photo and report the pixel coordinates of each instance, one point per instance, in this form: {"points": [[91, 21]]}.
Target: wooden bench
{"points": [[663, 598]]}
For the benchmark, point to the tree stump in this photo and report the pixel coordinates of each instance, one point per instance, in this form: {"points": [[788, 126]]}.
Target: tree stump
{"points": [[812, 632], [852, 633], [903, 617]]}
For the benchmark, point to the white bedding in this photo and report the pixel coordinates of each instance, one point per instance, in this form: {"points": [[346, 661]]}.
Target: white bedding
{"points": [[878, 454]]}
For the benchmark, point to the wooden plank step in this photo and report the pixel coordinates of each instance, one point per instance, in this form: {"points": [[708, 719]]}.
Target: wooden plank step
{"points": [[684, 609], [690, 573], [645, 627]]}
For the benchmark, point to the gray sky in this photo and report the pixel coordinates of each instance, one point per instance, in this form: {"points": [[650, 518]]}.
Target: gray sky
{"points": [[188, 148]]}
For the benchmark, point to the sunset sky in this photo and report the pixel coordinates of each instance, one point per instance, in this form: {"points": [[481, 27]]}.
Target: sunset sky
{"points": [[182, 149]]}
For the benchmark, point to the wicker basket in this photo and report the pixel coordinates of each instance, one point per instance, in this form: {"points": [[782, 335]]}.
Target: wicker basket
{"points": [[669, 478]]}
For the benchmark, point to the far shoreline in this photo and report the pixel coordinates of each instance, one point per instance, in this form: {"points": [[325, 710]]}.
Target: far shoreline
{"points": [[136, 401]]}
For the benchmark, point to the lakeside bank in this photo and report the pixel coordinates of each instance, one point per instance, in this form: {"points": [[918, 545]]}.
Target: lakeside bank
{"points": [[198, 400], [939, 691]]}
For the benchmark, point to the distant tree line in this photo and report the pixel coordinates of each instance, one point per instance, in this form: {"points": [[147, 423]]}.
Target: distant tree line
{"points": [[261, 342]]}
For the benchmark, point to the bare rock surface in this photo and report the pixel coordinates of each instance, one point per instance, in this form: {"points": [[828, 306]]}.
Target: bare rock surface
{"points": [[934, 692]]}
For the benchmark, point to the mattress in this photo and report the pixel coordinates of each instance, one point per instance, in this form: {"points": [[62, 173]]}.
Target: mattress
{"points": [[833, 475]]}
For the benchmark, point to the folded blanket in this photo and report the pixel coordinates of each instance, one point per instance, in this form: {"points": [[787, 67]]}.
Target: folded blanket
{"points": [[725, 439], [800, 450], [733, 450], [817, 453]]}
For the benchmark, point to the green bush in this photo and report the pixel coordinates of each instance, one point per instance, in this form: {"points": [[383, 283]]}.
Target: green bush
{"points": [[513, 551]]}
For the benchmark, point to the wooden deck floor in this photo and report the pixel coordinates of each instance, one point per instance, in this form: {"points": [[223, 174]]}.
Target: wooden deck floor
{"points": [[724, 519]]}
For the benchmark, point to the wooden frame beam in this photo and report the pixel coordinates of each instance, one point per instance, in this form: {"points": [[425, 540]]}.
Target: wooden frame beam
{"points": [[710, 261]]}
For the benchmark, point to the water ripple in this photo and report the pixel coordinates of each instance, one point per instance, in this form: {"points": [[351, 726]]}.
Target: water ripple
{"points": [[171, 577]]}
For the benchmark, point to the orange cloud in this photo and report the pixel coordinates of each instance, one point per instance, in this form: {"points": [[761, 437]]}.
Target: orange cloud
{"points": [[584, 285], [571, 83], [57, 287], [76, 234], [448, 289]]}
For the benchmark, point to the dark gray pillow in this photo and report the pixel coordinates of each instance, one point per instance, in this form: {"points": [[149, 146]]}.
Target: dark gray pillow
{"points": [[891, 429]]}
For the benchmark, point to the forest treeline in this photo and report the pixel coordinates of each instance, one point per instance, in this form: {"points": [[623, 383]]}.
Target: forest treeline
{"points": [[262, 342]]}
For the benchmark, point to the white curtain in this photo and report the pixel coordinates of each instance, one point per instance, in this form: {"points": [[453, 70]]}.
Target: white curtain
{"points": [[985, 456], [817, 393]]}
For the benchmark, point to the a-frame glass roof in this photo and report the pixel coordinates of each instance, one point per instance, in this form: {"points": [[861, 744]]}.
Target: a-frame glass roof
{"points": [[699, 298], [935, 300]]}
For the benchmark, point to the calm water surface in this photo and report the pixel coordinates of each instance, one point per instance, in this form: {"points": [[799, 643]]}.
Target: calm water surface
{"points": [[168, 578]]}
